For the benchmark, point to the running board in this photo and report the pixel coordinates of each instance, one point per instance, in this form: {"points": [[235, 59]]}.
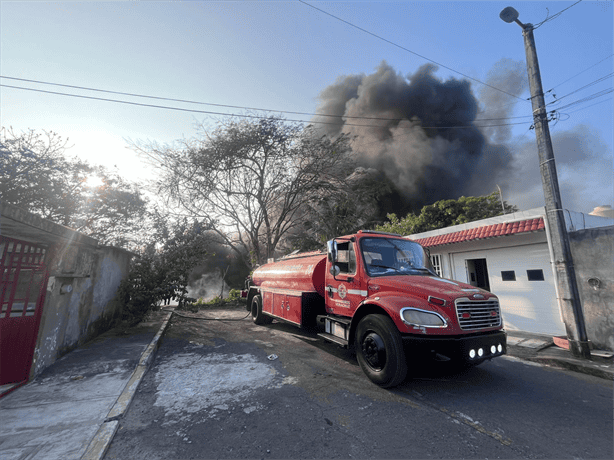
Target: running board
{"points": [[334, 339]]}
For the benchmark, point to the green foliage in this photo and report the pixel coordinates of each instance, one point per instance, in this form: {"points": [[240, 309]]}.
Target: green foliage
{"points": [[140, 290], [446, 213], [162, 271], [234, 296], [36, 174]]}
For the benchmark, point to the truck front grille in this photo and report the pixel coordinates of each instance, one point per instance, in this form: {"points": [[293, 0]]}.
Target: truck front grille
{"points": [[478, 314]]}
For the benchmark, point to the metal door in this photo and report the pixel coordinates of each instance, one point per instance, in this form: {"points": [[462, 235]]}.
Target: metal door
{"points": [[293, 311], [23, 278]]}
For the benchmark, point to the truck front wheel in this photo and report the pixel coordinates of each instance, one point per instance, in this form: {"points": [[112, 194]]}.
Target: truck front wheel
{"points": [[257, 316], [379, 350]]}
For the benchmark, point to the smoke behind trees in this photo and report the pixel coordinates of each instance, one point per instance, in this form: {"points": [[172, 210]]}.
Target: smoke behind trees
{"points": [[434, 139], [421, 134], [221, 270]]}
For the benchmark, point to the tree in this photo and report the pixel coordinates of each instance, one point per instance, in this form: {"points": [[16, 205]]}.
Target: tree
{"points": [[36, 174], [162, 269], [249, 180], [33, 168], [353, 205], [445, 213], [112, 212]]}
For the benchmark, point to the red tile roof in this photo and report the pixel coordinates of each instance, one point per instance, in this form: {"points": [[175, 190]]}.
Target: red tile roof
{"points": [[487, 231]]}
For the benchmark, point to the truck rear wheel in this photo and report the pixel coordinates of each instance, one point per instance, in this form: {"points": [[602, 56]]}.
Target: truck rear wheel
{"points": [[379, 350], [257, 316]]}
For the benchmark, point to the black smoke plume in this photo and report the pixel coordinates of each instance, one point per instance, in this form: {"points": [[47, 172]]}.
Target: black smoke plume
{"points": [[421, 133]]}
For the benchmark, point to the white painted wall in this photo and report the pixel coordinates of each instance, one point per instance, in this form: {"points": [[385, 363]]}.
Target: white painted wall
{"points": [[529, 306], [525, 305]]}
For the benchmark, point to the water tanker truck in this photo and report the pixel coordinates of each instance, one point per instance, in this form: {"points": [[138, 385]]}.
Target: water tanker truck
{"points": [[377, 293]]}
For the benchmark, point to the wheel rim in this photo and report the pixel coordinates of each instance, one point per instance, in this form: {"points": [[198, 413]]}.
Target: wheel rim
{"points": [[374, 351]]}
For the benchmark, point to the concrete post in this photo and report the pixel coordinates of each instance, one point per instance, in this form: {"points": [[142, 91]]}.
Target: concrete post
{"points": [[569, 297]]}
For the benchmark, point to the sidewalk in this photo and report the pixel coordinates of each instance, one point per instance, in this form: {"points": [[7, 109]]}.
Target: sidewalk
{"points": [[541, 349], [70, 410]]}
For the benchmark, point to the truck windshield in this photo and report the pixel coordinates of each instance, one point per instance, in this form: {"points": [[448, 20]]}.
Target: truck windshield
{"points": [[390, 256]]}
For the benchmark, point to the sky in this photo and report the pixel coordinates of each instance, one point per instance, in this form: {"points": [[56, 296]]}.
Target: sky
{"points": [[232, 57]]}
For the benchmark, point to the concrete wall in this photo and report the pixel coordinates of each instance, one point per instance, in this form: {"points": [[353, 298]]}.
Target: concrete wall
{"points": [[79, 302], [593, 256]]}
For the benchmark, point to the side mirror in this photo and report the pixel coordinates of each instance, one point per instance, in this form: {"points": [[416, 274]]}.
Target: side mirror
{"points": [[332, 251], [331, 247]]}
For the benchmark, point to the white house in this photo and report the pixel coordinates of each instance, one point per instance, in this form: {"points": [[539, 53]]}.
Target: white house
{"points": [[511, 256]]}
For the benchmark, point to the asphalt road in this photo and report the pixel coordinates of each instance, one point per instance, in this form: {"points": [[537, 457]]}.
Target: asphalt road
{"points": [[213, 392]]}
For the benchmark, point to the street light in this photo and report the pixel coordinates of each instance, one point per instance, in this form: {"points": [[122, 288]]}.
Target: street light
{"points": [[510, 15], [569, 298]]}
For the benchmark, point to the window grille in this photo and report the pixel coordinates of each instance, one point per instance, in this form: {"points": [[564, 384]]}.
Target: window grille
{"points": [[436, 261]]}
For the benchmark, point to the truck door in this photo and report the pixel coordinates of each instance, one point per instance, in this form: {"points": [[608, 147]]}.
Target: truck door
{"points": [[345, 291]]}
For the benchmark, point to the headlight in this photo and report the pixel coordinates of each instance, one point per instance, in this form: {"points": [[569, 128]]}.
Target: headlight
{"points": [[422, 318]]}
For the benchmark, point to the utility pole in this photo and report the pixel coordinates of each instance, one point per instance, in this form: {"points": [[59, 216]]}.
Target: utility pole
{"points": [[501, 198], [569, 297]]}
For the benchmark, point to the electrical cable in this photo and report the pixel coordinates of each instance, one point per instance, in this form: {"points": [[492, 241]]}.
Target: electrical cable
{"points": [[580, 73], [219, 105], [188, 101], [582, 108], [204, 319], [548, 19], [408, 50], [340, 123], [599, 80], [588, 98]]}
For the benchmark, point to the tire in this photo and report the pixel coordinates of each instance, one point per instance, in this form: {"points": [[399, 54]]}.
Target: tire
{"points": [[257, 316], [379, 350]]}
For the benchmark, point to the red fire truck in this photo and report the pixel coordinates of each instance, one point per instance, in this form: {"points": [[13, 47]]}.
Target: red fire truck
{"points": [[378, 294]]}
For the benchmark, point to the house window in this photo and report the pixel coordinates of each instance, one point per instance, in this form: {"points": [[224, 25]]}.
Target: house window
{"points": [[436, 262], [509, 275], [535, 275]]}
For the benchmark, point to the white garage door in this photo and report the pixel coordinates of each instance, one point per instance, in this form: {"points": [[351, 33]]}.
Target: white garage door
{"points": [[522, 278]]}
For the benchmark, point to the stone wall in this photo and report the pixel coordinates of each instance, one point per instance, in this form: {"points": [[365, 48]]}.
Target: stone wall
{"points": [[593, 255]]}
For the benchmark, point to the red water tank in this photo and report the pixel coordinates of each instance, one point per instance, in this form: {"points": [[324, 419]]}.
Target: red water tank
{"points": [[299, 273]]}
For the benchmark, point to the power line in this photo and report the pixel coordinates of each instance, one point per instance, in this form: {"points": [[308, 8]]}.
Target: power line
{"points": [[340, 123], [408, 50], [582, 108], [221, 105], [587, 98], [183, 100], [554, 16], [579, 73], [599, 80]]}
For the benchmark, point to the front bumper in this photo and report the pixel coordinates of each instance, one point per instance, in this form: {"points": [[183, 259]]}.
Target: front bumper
{"points": [[457, 348]]}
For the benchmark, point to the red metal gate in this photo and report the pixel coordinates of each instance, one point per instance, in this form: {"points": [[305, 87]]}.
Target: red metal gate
{"points": [[22, 293]]}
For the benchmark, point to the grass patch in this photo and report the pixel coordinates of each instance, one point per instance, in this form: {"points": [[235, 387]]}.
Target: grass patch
{"points": [[234, 299]]}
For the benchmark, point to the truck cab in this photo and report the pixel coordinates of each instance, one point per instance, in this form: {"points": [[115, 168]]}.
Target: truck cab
{"points": [[378, 294]]}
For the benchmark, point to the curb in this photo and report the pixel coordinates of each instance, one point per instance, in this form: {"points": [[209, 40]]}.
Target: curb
{"points": [[102, 440], [590, 369]]}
